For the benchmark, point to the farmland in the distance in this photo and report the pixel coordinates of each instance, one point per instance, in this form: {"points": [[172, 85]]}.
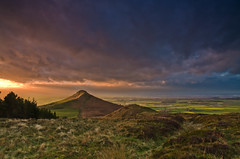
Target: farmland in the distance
{"points": [[184, 105]]}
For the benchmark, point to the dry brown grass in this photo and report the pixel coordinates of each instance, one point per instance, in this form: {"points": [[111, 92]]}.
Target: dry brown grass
{"points": [[114, 152]]}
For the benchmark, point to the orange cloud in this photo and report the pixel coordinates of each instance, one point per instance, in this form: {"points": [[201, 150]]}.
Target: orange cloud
{"points": [[10, 84], [83, 83]]}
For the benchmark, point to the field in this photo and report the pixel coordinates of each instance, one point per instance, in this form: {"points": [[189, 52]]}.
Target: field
{"points": [[151, 135], [171, 105], [184, 105]]}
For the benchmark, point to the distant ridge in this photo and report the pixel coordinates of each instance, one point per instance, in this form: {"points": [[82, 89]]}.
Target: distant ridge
{"points": [[87, 104], [132, 111]]}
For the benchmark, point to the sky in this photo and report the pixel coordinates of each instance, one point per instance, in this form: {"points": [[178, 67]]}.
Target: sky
{"points": [[51, 48]]}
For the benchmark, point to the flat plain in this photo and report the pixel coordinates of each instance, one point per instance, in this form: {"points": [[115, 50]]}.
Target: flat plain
{"points": [[184, 105]]}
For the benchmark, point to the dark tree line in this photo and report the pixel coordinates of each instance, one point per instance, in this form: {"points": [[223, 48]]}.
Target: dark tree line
{"points": [[13, 106]]}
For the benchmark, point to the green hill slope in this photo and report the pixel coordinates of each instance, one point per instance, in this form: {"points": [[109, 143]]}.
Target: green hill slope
{"points": [[82, 101], [132, 111]]}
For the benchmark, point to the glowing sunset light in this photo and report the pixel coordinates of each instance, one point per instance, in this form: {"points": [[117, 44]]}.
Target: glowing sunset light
{"points": [[84, 83], [10, 84]]}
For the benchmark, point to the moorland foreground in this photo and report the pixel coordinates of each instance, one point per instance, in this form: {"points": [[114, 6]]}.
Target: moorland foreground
{"points": [[130, 132]]}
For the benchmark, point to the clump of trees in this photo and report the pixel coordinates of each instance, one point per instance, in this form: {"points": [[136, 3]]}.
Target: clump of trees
{"points": [[13, 106]]}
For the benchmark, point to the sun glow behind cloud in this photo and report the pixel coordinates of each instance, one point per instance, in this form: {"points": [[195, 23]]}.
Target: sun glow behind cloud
{"points": [[10, 84], [4, 83], [81, 83]]}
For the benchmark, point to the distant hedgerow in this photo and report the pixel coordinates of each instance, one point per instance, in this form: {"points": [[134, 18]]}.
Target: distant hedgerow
{"points": [[16, 107]]}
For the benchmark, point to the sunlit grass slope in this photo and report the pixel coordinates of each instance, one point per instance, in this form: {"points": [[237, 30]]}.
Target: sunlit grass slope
{"points": [[82, 103], [132, 111]]}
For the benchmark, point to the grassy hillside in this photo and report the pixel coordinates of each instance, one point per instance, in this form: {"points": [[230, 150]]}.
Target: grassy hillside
{"points": [[131, 112], [164, 136], [130, 132], [84, 103]]}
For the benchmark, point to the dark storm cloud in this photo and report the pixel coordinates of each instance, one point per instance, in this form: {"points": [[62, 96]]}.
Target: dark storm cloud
{"points": [[146, 42]]}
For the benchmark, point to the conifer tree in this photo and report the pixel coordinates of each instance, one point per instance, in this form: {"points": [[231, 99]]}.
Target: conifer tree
{"points": [[16, 107]]}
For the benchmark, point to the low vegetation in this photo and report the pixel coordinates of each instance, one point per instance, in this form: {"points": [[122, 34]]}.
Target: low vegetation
{"points": [[204, 136], [123, 134]]}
